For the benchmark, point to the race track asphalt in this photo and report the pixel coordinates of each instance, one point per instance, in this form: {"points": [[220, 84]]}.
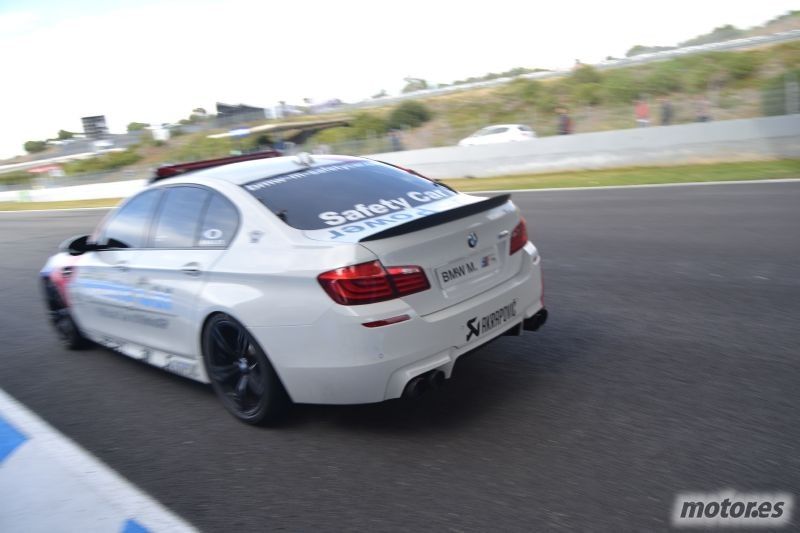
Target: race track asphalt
{"points": [[671, 363]]}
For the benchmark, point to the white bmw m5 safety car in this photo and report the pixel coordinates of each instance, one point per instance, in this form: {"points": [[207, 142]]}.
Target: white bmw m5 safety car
{"points": [[332, 280]]}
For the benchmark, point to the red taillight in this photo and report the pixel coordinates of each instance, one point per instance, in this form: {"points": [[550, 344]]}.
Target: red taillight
{"points": [[368, 283], [408, 279], [519, 237]]}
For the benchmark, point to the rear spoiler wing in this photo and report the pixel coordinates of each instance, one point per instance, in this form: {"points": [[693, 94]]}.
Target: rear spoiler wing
{"points": [[440, 218]]}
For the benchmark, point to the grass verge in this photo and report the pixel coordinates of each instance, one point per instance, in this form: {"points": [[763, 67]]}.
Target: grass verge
{"points": [[750, 170], [70, 204]]}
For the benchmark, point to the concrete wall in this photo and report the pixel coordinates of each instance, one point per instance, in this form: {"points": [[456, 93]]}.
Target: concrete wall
{"points": [[744, 139], [114, 189], [747, 139]]}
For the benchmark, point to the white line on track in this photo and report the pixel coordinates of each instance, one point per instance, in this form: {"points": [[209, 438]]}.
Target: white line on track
{"points": [[52, 476]]}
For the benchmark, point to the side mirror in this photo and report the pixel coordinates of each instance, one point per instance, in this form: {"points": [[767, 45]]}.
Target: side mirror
{"points": [[77, 245]]}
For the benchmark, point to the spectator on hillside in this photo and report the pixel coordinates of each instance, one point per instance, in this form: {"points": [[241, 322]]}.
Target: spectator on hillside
{"points": [[564, 125], [397, 143], [642, 113], [666, 112]]}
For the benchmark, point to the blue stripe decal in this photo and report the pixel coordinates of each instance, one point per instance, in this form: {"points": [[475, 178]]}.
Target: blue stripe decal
{"points": [[132, 526], [10, 439]]}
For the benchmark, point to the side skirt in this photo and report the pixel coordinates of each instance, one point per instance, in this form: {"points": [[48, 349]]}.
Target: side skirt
{"points": [[176, 364]]}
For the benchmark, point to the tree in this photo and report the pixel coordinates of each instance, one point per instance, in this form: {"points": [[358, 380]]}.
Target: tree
{"points": [[33, 147], [588, 93], [722, 33], [63, 135], [414, 84], [409, 114], [585, 74], [365, 125], [521, 89], [621, 86], [640, 49], [16, 177], [136, 126]]}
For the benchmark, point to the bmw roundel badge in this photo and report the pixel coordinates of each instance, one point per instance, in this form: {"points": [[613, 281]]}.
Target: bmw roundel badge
{"points": [[472, 239]]}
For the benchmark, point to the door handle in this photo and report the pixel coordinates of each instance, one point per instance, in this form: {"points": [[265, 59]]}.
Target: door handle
{"points": [[122, 266], [191, 269]]}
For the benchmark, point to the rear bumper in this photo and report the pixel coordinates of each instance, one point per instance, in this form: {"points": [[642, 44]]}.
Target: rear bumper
{"points": [[337, 360]]}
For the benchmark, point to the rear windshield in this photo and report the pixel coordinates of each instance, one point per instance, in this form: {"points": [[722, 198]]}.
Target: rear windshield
{"points": [[332, 195]]}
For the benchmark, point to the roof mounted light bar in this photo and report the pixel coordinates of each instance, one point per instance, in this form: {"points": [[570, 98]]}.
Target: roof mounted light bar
{"points": [[169, 171]]}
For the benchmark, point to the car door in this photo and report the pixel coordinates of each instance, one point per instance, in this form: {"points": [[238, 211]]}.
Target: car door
{"points": [[495, 135], [191, 230], [101, 287]]}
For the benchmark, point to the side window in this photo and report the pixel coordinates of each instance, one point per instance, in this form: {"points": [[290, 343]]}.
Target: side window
{"points": [[219, 224], [128, 227], [179, 218]]}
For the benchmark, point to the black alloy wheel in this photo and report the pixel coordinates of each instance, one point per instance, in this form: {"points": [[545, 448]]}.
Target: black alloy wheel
{"points": [[240, 373], [68, 332]]}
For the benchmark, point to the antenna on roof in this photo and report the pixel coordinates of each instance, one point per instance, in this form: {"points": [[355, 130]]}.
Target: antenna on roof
{"points": [[305, 159]]}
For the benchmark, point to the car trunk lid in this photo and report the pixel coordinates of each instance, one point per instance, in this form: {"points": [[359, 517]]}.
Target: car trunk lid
{"points": [[464, 251]]}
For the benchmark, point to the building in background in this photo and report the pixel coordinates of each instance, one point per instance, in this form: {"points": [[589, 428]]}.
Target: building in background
{"points": [[95, 127], [229, 114]]}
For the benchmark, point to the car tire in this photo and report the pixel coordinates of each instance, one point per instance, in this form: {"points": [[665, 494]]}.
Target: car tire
{"points": [[241, 374], [68, 331], [71, 336]]}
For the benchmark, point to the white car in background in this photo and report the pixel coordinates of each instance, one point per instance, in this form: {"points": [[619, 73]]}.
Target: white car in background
{"points": [[500, 133], [332, 280], [103, 144]]}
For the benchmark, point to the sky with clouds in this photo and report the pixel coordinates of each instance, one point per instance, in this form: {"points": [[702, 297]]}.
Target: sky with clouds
{"points": [[154, 61]]}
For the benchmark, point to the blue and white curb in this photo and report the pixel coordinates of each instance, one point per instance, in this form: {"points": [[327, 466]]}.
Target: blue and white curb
{"points": [[49, 484]]}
